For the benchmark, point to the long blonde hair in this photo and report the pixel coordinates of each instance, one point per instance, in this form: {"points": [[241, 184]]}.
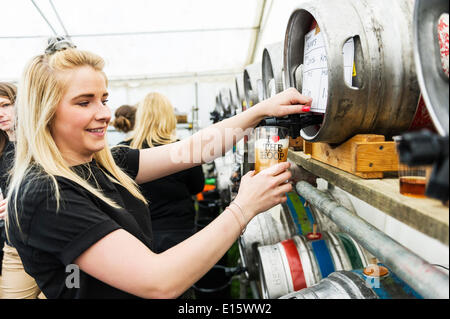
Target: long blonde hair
{"points": [[40, 91], [155, 122]]}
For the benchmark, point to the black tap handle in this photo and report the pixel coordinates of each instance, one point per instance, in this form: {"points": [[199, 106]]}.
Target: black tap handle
{"points": [[426, 148], [293, 122], [421, 148]]}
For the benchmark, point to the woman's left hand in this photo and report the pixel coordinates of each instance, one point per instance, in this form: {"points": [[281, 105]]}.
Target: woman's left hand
{"points": [[3, 204], [290, 101]]}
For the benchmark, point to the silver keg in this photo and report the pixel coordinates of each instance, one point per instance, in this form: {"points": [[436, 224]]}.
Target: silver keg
{"points": [[356, 285], [226, 99], [299, 262], [338, 285], [272, 69], [433, 81], [295, 218], [267, 228], [276, 225], [253, 87], [381, 92], [240, 96]]}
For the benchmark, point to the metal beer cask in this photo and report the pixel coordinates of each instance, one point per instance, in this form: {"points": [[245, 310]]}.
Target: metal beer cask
{"points": [[356, 285], [296, 218], [269, 228], [226, 101], [272, 69], [253, 87], [298, 263], [384, 94], [431, 52], [240, 96], [266, 228]]}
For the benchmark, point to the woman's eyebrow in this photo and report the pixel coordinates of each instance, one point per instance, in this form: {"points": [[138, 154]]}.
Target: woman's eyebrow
{"points": [[88, 95]]}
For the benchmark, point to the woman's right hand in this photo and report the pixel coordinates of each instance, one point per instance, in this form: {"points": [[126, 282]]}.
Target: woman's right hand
{"points": [[257, 193]]}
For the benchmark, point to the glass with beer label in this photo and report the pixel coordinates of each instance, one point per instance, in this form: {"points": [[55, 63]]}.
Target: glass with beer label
{"points": [[271, 146]]}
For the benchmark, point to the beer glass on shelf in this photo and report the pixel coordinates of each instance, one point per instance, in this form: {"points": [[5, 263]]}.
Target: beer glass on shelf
{"points": [[412, 180], [271, 146]]}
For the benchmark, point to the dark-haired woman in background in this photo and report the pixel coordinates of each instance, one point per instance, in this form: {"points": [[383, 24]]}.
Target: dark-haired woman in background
{"points": [[124, 118]]}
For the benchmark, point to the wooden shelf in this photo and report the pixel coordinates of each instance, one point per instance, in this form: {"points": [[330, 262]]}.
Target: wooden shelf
{"points": [[428, 216]]}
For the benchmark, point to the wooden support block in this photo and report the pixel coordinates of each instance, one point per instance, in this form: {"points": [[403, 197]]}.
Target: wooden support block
{"points": [[297, 143], [364, 155]]}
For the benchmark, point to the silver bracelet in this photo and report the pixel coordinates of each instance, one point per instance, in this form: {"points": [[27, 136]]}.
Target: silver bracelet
{"points": [[242, 213], [237, 219]]}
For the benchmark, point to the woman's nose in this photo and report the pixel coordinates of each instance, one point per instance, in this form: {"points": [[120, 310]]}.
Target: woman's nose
{"points": [[103, 113]]}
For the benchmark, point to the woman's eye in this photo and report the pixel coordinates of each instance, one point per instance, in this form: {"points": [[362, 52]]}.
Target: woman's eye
{"points": [[86, 103], [105, 101]]}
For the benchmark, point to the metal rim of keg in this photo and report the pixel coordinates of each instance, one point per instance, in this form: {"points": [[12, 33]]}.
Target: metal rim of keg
{"points": [[354, 284], [219, 108], [253, 84], [309, 261], [316, 216], [432, 80], [226, 100], [383, 104], [338, 285], [262, 230], [239, 84], [338, 252], [321, 220], [272, 256], [274, 264], [362, 253], [234, 101], [295, 222], [272, 69]]}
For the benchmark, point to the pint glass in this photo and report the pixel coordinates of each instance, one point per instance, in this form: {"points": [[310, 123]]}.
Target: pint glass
{"points": [[271, 146]]}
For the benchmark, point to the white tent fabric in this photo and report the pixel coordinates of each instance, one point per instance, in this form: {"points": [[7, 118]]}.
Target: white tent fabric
{"points": [[137, 38], [144, 38], [186, 49]]}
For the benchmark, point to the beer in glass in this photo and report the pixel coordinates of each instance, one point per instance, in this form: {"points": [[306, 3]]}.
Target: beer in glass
{"points": [[271, 146]]}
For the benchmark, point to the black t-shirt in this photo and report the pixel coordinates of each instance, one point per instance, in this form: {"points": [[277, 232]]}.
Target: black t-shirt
{"points": [[6, 163], [49, 240], [170, 198]]}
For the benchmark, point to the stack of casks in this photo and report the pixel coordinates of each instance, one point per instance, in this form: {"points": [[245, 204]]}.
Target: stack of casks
{"points": [[382, 97], [281, 255]]}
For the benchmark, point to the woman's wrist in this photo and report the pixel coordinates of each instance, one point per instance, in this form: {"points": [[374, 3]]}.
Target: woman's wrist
{"points": [[239, 218], [246, 209], [258, 113]]}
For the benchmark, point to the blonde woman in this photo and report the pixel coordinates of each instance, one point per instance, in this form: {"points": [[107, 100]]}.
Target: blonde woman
{"points": [[170, 201], [15, 283], [75, 213]]}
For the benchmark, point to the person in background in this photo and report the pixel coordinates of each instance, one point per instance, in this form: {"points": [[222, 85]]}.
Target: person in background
{"points": [[75, 213], [170, 200], [15, 283], [124, 118]]}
